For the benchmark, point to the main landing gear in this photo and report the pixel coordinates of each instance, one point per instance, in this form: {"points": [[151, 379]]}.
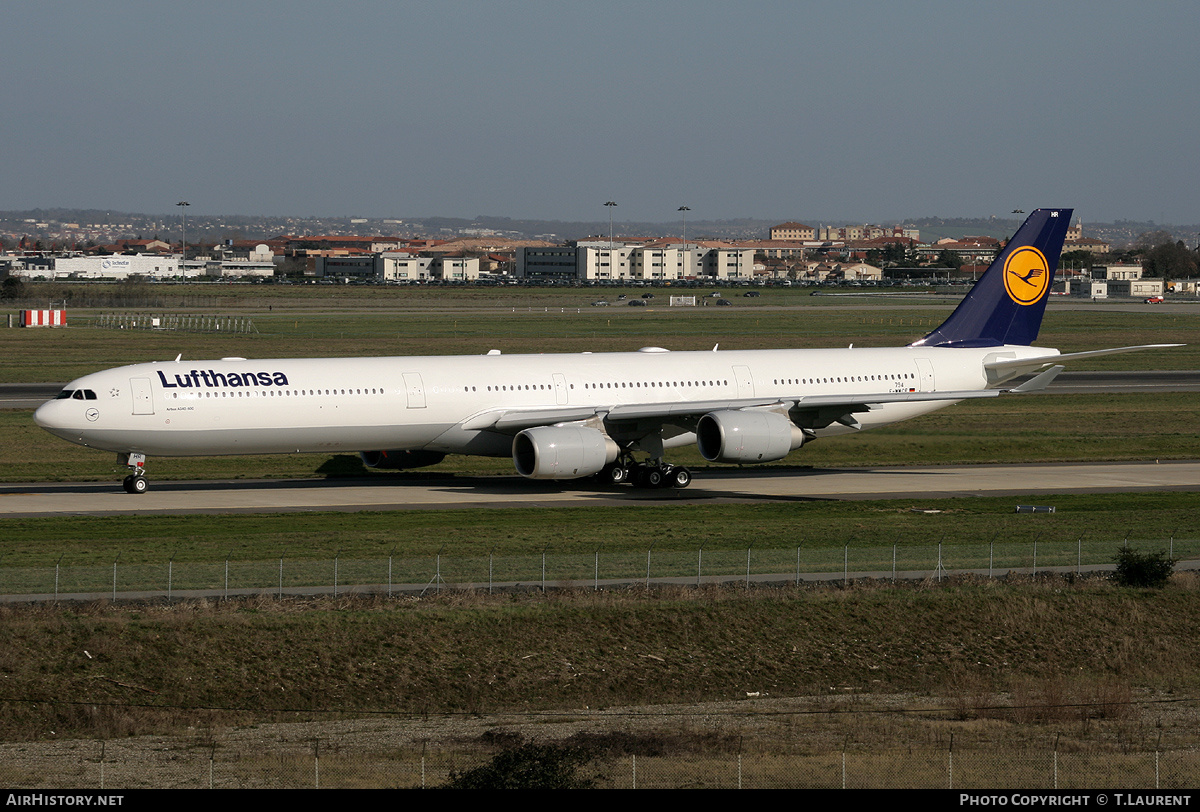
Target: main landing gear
{"points": [[645, 474], [135, 482]]}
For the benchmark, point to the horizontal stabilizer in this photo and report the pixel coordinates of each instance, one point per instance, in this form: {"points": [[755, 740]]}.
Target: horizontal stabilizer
{"points": [[1032, 364]]}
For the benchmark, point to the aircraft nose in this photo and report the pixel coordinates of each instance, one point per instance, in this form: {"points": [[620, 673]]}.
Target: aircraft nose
{"points": [[49, 415]]}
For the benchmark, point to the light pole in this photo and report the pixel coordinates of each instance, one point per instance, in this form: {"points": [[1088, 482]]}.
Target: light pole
{"points": [[612, 265], [687, 256], [183, 204]]}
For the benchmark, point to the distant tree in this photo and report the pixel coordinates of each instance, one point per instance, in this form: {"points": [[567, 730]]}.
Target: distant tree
{"points": [[1149, 239], [12, 288], [1170, 261], [948, 259], [1077, 259]]}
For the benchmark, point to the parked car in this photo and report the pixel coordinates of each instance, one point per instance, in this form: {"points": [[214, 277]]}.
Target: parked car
{"points": [[1154, 300], [600, 303], [724, 303]]}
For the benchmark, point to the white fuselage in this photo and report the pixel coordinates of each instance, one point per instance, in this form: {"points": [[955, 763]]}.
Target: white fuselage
{"points": [[448, 404]]}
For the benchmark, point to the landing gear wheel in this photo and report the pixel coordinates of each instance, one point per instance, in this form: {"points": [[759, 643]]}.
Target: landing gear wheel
{"points": [[680, 477], [654, 478], [135, 484], [614, 474]]}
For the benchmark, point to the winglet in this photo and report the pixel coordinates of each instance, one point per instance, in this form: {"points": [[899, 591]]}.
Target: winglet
{"points": [[1007, 303]]}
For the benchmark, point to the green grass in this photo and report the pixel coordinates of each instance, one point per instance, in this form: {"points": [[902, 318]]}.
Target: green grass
{"points": [[357, 321], [84, 540]]}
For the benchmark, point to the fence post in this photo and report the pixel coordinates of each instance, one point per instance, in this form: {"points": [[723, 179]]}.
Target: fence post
{"points": [[1056, 762], [950, 765]]}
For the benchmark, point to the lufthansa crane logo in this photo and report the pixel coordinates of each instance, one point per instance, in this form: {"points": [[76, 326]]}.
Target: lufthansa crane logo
{"points": [[1026, 275]]}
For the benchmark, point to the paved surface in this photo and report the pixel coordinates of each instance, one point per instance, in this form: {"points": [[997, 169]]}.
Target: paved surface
{"points": [[426, 492]]}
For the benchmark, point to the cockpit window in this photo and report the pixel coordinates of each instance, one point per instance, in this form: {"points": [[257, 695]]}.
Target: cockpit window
{"points": [[65, 394], [78, 394], [88, 394]]}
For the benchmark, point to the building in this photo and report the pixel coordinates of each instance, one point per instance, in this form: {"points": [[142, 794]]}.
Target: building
{"points": [[115, 266], [557, 263], [1118, 272], [456, 269], [600, 260], [398, 266], [793, 231]]}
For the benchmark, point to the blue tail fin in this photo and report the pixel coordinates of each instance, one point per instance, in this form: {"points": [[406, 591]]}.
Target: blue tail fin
{"points": [[1007, 303]]}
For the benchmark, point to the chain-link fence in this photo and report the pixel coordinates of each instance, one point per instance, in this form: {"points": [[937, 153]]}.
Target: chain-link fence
{"points": [[60, 580], [287, 764]]}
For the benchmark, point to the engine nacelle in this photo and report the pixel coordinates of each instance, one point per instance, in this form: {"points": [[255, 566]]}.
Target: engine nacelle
{"points": [[562, 452], [398, 460], [746, 436]]}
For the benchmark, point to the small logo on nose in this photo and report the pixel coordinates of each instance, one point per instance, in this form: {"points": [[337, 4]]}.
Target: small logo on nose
{"points": [[92, 414]]}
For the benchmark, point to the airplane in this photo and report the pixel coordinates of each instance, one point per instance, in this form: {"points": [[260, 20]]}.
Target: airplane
{"points": [[570, 416]]}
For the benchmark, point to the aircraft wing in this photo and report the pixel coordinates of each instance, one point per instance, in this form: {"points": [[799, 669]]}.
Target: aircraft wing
{"points": [[813, 411]]}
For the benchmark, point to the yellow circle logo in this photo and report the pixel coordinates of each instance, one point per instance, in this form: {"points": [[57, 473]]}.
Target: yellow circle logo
{"points": [[1026, 275]]}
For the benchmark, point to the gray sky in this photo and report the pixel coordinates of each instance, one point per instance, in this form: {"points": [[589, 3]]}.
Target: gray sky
{"points": [[778, 110]]}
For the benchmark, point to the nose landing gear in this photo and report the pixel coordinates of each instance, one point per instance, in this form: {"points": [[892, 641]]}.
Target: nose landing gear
{"points": [[135, 482]]}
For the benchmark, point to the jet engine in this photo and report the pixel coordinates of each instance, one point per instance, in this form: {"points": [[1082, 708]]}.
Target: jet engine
{"points": [[398, 460], [746, 436], [562, 452]]}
